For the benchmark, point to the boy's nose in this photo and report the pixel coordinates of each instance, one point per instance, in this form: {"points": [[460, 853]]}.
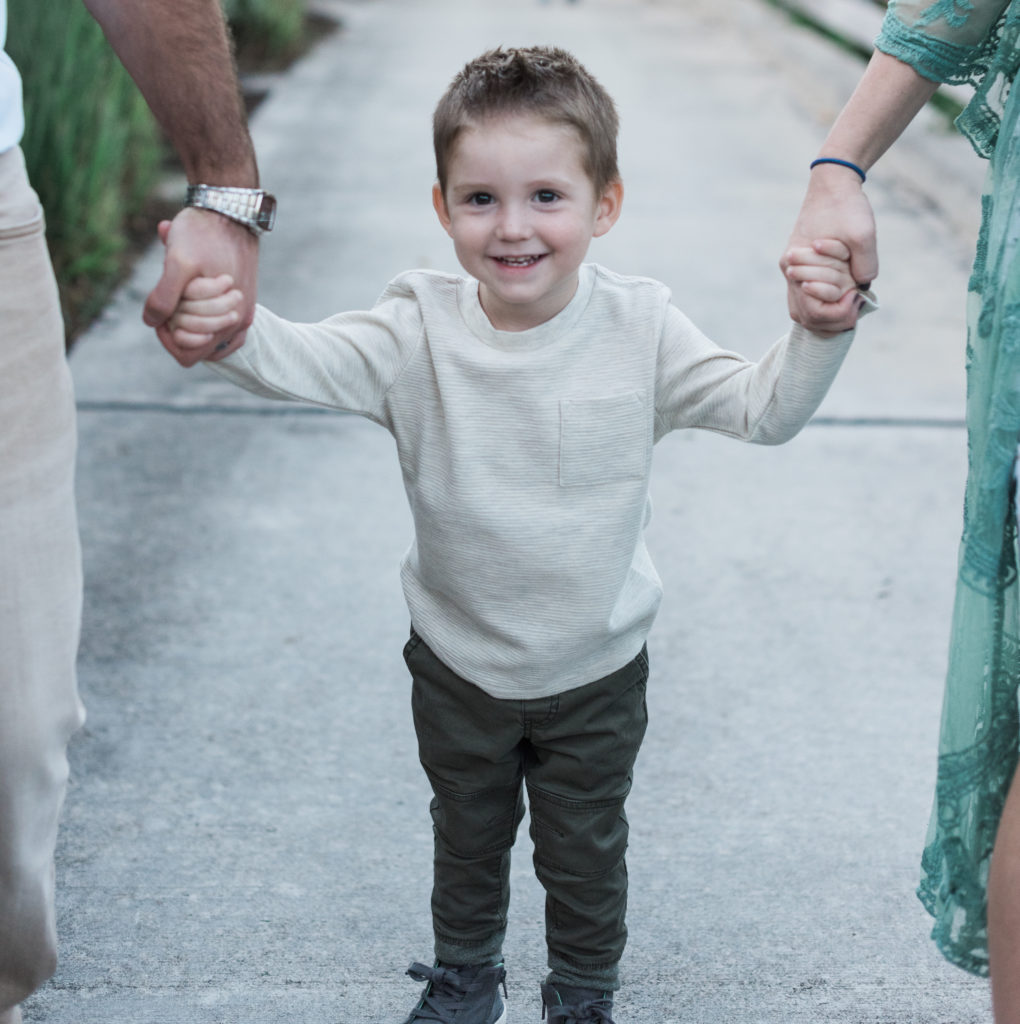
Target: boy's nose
{"points": [[514, 225]]}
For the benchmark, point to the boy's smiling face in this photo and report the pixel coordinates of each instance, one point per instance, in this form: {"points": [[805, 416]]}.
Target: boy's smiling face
{"points": [[522, 211]]}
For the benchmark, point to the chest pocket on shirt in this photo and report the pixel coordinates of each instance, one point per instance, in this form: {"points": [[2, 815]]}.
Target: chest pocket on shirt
{"points": [[604, 439]]}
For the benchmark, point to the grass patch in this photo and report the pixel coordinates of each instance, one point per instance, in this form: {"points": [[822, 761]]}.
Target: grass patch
{"points": [[268, 34]]}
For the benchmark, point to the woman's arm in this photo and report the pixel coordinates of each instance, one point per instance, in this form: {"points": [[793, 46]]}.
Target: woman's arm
{"points": [[886, 100]]}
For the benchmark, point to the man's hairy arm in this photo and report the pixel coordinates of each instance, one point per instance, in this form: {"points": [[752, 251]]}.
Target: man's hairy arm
{"points": [[178, 53]]}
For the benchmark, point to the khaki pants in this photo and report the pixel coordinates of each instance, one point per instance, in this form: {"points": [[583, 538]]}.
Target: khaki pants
{"points": [[40, 587]]}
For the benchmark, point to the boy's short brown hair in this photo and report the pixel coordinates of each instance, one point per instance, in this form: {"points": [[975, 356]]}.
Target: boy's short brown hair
{"points": [[541, 80]]}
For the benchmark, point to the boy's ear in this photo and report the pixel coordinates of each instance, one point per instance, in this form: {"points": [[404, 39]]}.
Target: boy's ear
{"points": [[439, 202], [608, 209]]}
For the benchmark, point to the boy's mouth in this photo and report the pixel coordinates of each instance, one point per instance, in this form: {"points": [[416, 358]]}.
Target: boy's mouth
{"points": [[518, 261]]}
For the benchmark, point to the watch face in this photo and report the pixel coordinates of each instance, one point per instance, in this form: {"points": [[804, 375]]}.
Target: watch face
{"points": [[267, 213]]}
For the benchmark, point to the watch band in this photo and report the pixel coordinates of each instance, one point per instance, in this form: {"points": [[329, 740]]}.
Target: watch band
{"points": [[252, 207]]}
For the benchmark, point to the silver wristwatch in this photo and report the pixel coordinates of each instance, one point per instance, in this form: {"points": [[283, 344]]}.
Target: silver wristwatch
{"points": [[252, 207]]}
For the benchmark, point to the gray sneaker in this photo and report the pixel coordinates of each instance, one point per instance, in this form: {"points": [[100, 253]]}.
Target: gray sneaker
{"points": [[566, 1004], [460, 995]]}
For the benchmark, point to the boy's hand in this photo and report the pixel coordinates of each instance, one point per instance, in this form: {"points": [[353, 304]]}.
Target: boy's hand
{"points": [[200, 242], [208, 306], [821, 291]]}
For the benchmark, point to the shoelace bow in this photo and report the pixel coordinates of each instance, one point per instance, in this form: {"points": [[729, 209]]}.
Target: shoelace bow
{"points": [[445, 993], [593, 1011]]}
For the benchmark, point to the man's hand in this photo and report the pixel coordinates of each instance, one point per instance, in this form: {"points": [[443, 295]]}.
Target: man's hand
{"points": [[201, 243]]}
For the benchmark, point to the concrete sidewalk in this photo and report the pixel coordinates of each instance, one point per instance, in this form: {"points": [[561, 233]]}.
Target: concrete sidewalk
{"points": [[246, 838]]}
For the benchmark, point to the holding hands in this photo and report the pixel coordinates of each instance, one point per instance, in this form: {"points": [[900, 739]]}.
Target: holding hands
{"points": [[822, 290], [202, 315], [834, 207], [209, 307], [823, 295], [203, 247]]}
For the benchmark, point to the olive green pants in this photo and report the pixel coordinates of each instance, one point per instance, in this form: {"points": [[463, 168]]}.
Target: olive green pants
{"points": [[575, 752]]}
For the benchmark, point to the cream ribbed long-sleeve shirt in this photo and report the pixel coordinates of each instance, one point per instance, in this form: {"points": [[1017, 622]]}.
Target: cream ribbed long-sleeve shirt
{"points": [[526, 455]]}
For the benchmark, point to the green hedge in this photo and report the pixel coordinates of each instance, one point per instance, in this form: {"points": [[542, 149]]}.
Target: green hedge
{"points": [[93, 150], [266, 31]]}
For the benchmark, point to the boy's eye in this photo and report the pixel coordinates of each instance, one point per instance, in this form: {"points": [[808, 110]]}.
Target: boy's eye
{"points": [[546, 195], [480, 199]]}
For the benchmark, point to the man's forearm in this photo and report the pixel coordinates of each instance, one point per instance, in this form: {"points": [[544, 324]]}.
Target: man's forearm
{"points": [[179, 55]]}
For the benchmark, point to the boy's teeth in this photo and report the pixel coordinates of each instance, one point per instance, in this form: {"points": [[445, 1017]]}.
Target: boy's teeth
{"points": [[518, 261]]}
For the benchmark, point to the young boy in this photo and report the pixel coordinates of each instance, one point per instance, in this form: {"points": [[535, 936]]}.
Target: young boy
{"points": [[525, 401]]}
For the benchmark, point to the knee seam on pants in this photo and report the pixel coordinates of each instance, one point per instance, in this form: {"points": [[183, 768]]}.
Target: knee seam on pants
{"points": [[535, 793]]}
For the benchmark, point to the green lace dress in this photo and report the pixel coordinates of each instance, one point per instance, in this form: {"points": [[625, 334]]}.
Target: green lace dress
{"points": [[977, 41]]}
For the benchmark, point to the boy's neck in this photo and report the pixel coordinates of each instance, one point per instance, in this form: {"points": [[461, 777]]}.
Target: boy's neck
{"points": [[514, 319]]}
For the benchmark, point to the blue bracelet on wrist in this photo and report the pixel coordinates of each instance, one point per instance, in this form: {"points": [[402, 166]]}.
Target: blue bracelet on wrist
{"points": [[842, 163]]}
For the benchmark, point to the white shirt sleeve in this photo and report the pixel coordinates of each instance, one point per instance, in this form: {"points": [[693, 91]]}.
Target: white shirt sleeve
{"points": [[699, 384], [348, 361]]}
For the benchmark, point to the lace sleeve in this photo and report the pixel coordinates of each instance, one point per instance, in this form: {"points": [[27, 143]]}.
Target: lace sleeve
{"points": [[943, 40]]}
